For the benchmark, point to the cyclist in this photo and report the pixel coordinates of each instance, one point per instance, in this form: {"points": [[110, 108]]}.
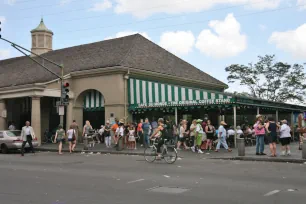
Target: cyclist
{"points": [[159, 133]]}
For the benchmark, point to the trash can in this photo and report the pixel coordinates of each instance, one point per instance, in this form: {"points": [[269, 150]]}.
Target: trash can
{"points": [[85, 142], [120, 144], [304, 149], [241, 146]]}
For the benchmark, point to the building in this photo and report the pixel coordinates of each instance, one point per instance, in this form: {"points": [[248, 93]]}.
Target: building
{"points": [[128, 77]]}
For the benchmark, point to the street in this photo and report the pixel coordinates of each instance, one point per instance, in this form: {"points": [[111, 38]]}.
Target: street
{"points": [[46, 178]]}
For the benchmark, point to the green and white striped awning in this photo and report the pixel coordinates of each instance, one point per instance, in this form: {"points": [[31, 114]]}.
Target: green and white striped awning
{"points": [[93, 101], [146, 94]]}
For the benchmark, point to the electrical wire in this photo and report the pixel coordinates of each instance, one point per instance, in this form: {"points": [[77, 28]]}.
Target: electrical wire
{"points": [[174, 25]]}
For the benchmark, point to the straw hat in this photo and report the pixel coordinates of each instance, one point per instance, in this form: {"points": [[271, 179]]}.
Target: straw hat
{"points": [[284, 121], [223, 123], [121, 121], [107, 122], [258, 116]]}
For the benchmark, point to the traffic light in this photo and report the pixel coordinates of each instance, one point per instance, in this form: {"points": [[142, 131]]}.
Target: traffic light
{"points": [[65, 92]]}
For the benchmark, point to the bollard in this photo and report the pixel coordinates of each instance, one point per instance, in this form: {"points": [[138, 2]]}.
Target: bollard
{"points": [[85, 142], [304, 149], [241, 146]]}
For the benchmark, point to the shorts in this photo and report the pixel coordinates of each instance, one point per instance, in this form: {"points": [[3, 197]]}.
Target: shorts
{"points": [[71, 140], [285, 141], [182, 139], [131, 139], [272, 138], [60, 140]]}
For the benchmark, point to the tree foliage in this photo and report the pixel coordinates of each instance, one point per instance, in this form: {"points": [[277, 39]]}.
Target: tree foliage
{"points": [[270, 80]]}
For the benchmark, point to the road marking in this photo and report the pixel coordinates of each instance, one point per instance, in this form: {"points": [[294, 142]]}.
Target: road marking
{"points": [[272, 193], [166, 176], [135, 181]]}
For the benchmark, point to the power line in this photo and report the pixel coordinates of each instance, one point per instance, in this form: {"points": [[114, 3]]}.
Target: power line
{"points": [[189, 23], [106, 15], [224, 8]]}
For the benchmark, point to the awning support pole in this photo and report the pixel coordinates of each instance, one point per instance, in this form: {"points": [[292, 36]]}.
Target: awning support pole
{"points": [[235, 125], [257, 110], [175, 110]]}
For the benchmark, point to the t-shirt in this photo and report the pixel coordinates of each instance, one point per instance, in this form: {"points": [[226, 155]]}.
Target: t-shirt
{"points": [[285, 131], [119, 131], [146, 128], [60, 134], [239, 132], [230, 132], [182, 131], [192, 133], [222, 131], [70, 133], [154, 124], [114, 127], [199, 129], [139, 127]]}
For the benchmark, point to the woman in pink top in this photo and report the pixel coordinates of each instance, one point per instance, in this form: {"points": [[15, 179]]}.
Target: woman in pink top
{"points": [[260, 135]]}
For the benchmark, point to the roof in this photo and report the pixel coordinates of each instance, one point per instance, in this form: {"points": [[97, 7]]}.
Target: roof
{"points": [[132, 51], [41, 28]]}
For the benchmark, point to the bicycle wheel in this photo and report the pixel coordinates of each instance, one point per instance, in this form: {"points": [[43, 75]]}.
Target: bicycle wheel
{"points": [[170, 155], [150, 154]]}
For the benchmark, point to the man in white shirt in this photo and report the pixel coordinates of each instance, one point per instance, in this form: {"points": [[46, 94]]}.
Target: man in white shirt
{"points": [[285, 138], [27, 135]]}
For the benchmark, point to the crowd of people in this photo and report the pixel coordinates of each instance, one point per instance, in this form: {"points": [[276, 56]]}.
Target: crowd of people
{"points": [[198, 135]]}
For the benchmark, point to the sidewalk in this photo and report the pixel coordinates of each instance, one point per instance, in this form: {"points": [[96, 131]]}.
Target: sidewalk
{"points": [[296, 155]]}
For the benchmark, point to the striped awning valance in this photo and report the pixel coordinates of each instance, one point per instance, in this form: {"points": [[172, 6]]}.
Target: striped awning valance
{"points": [[145, 94], [93, 100]]}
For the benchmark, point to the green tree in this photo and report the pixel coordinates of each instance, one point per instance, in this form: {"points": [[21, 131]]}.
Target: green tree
{"points": [[271, 80]]}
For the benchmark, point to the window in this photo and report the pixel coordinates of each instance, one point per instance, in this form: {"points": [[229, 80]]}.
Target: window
{"points": [[13, 133], [1, 134]]}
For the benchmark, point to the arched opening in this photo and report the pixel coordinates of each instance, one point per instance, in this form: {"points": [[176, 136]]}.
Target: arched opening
{"points": [[93, 107]]}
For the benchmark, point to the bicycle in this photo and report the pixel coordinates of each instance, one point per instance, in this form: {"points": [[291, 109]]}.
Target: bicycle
{"points": [[169, 153]]}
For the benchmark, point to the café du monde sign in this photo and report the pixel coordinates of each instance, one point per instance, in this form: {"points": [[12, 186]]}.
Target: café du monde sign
{"points": [[187, 103]]}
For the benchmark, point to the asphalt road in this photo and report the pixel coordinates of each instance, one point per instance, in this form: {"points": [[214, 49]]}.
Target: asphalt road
{"points": [[46, 178]]}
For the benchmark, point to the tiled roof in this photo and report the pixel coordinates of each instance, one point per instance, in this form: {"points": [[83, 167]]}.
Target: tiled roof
{"points": [[132, 51]]}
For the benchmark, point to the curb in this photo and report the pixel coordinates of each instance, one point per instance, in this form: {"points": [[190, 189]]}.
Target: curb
{"points": [[94, 151], [283, 160]]}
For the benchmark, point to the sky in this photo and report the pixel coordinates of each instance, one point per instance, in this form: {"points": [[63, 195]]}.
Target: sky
{"points": [[209, 34]]}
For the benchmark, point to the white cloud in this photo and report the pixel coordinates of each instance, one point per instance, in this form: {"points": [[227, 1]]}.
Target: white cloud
{"points": [[291, 41], [180, 42], [101, 6], [301, 3], [2, 19], [145, 8], [126, 33], [64, 2], [224, 41], [262, 27], [10, 2], [4, 54]]}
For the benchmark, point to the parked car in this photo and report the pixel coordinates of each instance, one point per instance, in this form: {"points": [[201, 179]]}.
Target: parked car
{"points": [[11, 140]]}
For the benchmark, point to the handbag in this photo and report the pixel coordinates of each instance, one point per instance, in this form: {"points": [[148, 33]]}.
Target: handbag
{"points": [[73, 136]]}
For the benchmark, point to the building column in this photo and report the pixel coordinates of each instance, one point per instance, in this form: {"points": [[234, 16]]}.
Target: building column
{"points": [[292, 124], [276, 116], [235, 124], [36, 118], [175, 110], [3, 111], [257, 110], [69, 114]]}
